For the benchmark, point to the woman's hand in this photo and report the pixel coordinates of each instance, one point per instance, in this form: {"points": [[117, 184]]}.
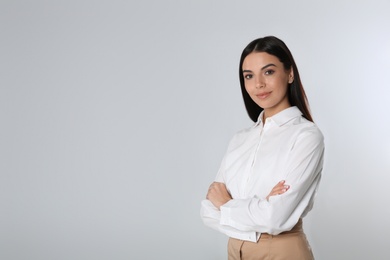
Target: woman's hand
{"points": [[218, 194], [279, 189]]}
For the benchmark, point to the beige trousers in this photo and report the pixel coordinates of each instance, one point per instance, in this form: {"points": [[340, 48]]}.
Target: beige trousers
{"points": [[290, 245]]}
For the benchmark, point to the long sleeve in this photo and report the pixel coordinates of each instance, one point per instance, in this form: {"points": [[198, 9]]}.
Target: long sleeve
{"points": [[282, 212], [211, 216]]}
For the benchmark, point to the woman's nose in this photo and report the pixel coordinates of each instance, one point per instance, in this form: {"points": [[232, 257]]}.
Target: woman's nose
{"points": [[259, 82]]}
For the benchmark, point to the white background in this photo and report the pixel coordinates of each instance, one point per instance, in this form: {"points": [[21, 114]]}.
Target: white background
{"points": [[115, 115]]}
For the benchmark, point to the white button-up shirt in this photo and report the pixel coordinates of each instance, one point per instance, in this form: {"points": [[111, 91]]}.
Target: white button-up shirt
{"points": [[284, 147]]}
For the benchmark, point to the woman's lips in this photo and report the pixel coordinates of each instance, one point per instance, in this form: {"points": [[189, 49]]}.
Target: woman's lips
{"points": [[263, 95]]}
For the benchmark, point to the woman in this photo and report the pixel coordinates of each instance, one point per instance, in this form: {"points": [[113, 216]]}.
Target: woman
{"points": [[270, 173]]}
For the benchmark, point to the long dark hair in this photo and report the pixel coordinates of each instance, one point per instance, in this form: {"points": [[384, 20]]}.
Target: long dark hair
{"points": [[296, 93]]}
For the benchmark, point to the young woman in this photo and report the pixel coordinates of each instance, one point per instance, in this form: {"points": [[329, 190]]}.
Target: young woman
{"points": [[270, 173]]}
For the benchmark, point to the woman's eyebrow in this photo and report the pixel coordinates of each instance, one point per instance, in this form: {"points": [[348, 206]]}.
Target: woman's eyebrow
{"points": [[263, 68], [268, 65]]}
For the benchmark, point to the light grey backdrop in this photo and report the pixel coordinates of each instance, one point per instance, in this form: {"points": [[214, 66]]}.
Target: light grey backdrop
{"points": [[115, 115]]}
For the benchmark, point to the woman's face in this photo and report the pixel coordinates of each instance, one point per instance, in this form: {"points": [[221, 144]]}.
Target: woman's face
{"points": [[266, 82]]}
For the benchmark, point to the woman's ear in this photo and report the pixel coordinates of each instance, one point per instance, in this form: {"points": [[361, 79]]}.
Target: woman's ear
{"points": [[291, 76]]}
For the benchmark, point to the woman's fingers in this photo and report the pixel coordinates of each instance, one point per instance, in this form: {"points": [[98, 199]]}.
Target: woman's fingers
{"points": [[218, 194], [279, 189]]}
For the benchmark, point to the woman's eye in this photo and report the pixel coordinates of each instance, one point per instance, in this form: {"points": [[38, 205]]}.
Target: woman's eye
{"points": [[269, 72], [247, 76]]}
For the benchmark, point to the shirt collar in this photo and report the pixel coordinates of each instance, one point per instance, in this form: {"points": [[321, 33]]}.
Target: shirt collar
{"points": [[282, 117]]}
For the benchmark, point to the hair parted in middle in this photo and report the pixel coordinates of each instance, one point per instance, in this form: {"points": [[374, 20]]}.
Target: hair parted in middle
{"points": [[296, 93]]}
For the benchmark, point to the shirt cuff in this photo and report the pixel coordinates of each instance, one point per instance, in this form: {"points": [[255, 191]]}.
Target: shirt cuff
{"points": [[251, 236]]}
